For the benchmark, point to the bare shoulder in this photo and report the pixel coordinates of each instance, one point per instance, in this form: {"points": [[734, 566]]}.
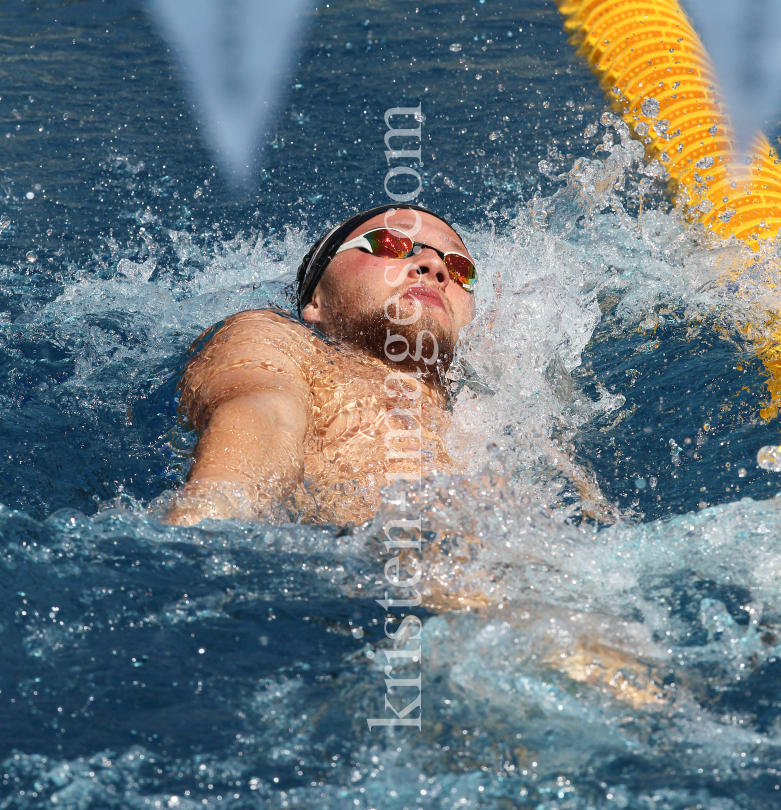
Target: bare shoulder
{"points": [[258, 327], [271, 320], [250, 351]]}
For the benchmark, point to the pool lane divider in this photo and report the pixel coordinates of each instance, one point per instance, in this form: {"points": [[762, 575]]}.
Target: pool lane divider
{"points": [[654, 68], [656, 72]]}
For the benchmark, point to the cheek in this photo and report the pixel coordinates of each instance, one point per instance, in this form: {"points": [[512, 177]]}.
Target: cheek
{"points": [[464, 308], [361, 287]]}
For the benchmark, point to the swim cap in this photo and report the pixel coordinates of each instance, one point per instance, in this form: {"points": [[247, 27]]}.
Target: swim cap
{"points": [[313, 265]]}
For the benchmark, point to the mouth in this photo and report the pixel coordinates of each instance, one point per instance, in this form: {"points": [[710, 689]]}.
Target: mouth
{"points": [[425, 294]]}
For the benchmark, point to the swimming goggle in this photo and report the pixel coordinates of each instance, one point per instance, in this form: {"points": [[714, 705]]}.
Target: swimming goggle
{"points": [[392, 244]]}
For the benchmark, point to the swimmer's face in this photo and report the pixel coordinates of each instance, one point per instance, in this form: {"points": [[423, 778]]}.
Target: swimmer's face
{"points": [[356, 285]]}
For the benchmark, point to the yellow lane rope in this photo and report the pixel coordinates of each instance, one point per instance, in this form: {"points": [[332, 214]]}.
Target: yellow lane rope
{"points": [[654, 68]]}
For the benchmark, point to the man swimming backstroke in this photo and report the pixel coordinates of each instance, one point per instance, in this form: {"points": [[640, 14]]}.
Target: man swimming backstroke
{"points": [[306, 419], [310, 418]]}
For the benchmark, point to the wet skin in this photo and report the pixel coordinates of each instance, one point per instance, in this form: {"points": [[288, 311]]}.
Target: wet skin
{"points": [[286, 417]]}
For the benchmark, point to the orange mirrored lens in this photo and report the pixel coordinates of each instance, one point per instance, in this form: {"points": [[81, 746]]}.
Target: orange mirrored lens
{"points": [[461, 270], [388, 244], [391, 244]]}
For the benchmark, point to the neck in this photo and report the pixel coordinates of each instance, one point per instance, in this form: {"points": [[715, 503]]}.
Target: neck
{"points": [[431, 378], [403, 348]]}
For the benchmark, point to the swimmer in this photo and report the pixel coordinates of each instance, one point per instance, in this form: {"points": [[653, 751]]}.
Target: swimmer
{"points": [[308, 419], [294, 416]]}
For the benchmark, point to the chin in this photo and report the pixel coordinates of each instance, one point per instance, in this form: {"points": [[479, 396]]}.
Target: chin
{"points": [[369, 331]]}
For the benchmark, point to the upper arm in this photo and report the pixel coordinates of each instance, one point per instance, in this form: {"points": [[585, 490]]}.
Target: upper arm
{"points": [[253, 352]]}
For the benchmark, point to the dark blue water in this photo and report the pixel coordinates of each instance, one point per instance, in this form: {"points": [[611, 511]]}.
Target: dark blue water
{"points": [[235, 666]]}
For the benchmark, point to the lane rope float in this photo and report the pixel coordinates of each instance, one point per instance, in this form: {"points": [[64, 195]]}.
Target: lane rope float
{"points": [[656, 72], [654, 68]]}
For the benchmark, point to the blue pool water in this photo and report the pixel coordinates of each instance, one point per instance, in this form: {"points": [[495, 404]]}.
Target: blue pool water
{"points": [[230, 665]]}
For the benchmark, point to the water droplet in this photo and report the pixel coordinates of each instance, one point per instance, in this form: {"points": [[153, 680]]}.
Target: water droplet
{"points": [[650, 322], [201, 651], [650, 107], [455, 47], [65, 116], [653, 481], [494, 136], [742, 472], [704, 163], [640, 483], [31, 257], [357, 632], [479, 76], [705, 206], [544, 167], [713, 130], [448, 182], [641, 129], [420, 117], [664, 157], [590, 131], [769, 458], [661, 127]]}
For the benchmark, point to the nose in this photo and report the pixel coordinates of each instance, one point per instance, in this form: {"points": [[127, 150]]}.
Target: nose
{"points": [[428, 263]]}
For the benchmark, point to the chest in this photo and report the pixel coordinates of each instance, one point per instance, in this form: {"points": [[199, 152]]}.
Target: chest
{"points": [[370, 409]]}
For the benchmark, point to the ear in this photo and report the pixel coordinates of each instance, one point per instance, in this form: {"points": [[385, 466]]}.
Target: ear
{"points": [[313, 311]]}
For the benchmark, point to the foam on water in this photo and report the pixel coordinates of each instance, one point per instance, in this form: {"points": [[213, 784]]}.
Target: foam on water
{"points": [[563, 667], [563, 262], [608, 665]]}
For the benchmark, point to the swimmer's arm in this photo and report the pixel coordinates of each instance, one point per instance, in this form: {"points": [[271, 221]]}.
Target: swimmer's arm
{"points": [[247, 460], [252, 407]]}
